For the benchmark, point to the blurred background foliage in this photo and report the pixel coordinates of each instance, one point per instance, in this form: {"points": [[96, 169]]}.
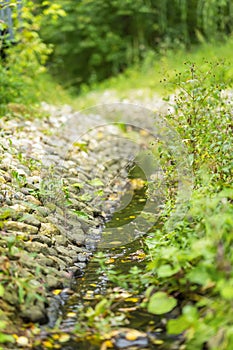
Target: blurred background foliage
{"points": [[83, 42], [98, 39]]}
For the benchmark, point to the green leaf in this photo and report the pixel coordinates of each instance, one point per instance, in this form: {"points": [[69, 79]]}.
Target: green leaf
{"points": [[1, 291], [199, 275], [96, 182], [81, 214], [177, 326], [85, 197], [160, 303], [6, 338], [101, 307], [167, 271]]}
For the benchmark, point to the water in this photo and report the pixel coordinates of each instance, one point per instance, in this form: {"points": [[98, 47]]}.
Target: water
{"points": [[122, 257]]}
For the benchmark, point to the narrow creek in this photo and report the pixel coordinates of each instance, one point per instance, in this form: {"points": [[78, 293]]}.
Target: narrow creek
{"points": [[94, 282]]}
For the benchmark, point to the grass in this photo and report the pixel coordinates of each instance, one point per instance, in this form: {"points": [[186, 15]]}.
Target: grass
{"points": [[143, 82]]}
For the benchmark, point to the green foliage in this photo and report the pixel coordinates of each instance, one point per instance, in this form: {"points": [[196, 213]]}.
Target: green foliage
{"points": [[25, 57], [160, 303], [98, 39], [191, 265]]}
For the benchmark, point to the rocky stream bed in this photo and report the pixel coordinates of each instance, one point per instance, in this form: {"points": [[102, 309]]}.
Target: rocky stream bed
{"points": [[61, 178]]}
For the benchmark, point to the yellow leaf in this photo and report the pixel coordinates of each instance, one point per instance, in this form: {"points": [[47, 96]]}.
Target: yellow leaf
{"points": [[57, 291], [71, 314], [134, 300], [158, 341], [55, 336], [64, 338], [47, 344], [144, 132], [133, 335], [106, 345]]}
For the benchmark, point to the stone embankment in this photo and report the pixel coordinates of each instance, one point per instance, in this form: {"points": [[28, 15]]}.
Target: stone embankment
{"points": [[59, 182]]}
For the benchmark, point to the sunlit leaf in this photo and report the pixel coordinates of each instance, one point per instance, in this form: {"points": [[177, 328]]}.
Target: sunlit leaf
{"points": [[57, 291], [64, 338], [96, 182], [160, 303], [22, 341], [1, 291], [133, 334], [167, 271]]}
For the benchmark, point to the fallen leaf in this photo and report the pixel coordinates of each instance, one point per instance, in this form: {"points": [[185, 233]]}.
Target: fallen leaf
{"points": [[22, 341], [64, 338], [57, 291]]}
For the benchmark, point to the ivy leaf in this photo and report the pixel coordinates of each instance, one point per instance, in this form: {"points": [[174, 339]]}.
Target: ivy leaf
{"points": [[160, 303]]}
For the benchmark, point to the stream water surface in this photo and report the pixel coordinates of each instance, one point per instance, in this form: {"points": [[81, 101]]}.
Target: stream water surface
{"points": [[95, 282]]}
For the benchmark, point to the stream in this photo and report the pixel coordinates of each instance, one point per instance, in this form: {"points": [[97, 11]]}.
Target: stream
{"points": [[94, 282]]}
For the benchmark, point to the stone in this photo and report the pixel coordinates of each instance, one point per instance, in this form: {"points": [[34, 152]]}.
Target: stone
{"points": [[20, 208], [53, 282], [2, 180], [75, 271], [31, 220], [45, 261], [82, 257], [42, 239], [43, 211], [33, 313], [75, 249], [48, 229], [20, 227], [33, 200], [60, 240], [64, 251], [60, 263], [76, 237], [25, 191], [80, 265], [36, 247]]}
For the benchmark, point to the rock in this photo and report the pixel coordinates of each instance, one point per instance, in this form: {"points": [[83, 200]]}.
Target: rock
{"points": [[45, 261], [82, 257], [34, 313], [7, 177], [75, 271], [25, 191], [2, 180], [43, 211], [42, 239], [48, 229], [20, 227], [31, 220], [60, 240], [18, 196], [53, 282], [36, 247], [60, 263], [33, 200], [80, 265], [76, 237], [20, 208], [64, 252], [75, 249]]}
